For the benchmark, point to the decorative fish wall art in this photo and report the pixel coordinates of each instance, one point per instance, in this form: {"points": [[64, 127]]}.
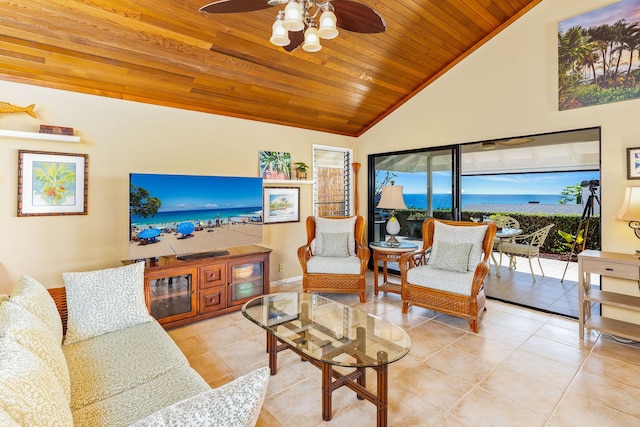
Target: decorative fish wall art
{"points": [[5, 107]]}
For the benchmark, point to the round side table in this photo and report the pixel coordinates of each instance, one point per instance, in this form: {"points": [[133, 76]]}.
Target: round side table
{"points": [[384, 252]]}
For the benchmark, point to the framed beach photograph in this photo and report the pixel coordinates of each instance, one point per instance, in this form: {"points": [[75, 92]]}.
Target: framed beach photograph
{"points": [[281, 204], [52, 183], [633, 163], [275, 165]]}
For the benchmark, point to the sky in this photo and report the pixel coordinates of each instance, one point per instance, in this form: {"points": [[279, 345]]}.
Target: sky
{"points": [[191, 192], [627, 9], [529, 183]]}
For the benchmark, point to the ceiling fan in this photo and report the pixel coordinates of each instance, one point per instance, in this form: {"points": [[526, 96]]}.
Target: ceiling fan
{"points": [[296, 25], [511, 142]]}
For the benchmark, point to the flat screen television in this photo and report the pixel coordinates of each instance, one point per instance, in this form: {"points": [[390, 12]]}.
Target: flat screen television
{"points": [[192, 216]]}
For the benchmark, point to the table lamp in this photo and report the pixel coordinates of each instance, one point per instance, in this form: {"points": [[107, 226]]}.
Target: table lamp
{"points": [[630, 210], [392, 199]]}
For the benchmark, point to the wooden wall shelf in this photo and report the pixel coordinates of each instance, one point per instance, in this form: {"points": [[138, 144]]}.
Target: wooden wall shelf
{"points": [[37, 135], [286, 182]]}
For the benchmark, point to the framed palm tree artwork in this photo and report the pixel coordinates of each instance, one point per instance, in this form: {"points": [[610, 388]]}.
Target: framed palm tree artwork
{"points": [[52, 183], [275, 165]]}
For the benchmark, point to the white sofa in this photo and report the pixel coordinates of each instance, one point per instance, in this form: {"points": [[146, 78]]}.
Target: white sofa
{"points": [[116, 366]]}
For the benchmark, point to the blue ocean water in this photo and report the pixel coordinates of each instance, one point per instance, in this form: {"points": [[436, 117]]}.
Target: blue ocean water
{"points": [[204, 216], [443, 201]]}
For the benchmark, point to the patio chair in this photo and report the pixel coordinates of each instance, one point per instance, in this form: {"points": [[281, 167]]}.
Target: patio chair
{"points": [[334, 259], [526, 246], [502, 222], [447, 274]]}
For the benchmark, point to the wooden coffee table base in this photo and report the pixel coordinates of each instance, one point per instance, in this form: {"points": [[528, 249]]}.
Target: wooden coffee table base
{"points": [[355, 380]]}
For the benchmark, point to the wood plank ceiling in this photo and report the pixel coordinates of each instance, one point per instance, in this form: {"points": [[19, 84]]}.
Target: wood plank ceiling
{"points": [[165, 52]]}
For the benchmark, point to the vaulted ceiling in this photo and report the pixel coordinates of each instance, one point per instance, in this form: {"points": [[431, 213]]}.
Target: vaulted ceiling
{"points": [[166, 52]]}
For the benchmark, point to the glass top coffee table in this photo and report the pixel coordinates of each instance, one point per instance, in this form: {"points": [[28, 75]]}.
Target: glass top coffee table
{"points": [[327, 333]]}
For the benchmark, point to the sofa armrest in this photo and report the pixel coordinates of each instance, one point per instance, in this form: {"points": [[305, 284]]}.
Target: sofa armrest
{"points": [[237, 403]]}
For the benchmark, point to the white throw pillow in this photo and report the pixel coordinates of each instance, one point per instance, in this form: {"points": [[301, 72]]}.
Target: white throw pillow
{"points": [[452, 256], [23, 327], [29, 391], [236, 404], [32, 295], [103, 301], [334, 225], [460, 234], [335, 245]]}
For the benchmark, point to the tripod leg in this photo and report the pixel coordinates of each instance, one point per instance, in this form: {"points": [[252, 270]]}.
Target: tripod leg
{"points": [[586, 213]]}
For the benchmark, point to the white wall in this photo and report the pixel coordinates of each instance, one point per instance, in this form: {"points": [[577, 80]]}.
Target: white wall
{"points": [[508, 88], [122, 137]]}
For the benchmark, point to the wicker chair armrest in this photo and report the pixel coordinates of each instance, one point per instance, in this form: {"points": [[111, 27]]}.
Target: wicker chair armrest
{"points": [[478, 277], [411, 259], [363, 253], [304, 253]]}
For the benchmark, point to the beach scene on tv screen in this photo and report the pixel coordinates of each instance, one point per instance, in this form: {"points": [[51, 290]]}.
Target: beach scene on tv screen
{"points": [[184, 214]]}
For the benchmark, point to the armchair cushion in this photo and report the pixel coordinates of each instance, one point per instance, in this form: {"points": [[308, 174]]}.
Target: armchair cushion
{"points": [[335, 244], [452, 256], [333, 265], [334, 225], [451, 233], [442, 280]]}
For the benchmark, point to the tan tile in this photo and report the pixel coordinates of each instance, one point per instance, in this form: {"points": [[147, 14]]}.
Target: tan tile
{"points": [[554, 373], [608, 347], [566, 336], [559, 352], [541, 397], [481, 408], [209, 367], [461, 365], [577, 411], [503, 333], [192, 346], [515, 321], [613, 369], [267, 420], [436, 333], [485, 348], [231, 334], [606, 392]]}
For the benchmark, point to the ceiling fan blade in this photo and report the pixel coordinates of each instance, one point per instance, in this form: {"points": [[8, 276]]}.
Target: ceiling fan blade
{"points": [[512, 142], [233, 6], [296, 38], [358, 17]]}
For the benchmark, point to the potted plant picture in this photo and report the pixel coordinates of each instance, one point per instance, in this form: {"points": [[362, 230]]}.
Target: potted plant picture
{"points": [[275, 165]]}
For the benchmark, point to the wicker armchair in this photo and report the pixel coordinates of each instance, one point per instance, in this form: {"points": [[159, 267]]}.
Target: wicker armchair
{"points": [[334, 259], [527, 246], [447, 274]]}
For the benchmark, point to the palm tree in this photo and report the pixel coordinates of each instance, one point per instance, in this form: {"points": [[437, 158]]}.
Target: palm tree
{"points": [[54, 181]]}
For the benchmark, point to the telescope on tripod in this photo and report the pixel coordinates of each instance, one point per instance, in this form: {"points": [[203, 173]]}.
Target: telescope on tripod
{"points": [[585, 220]]}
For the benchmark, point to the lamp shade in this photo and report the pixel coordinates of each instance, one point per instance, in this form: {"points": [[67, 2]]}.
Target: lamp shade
{"points": [[293, 16], [630, 209], [392, 197], [328, 28], [279, 35], [311, 40]]}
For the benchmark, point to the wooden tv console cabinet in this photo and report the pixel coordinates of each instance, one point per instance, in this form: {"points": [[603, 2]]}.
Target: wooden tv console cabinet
{"points": [[180, 291]]}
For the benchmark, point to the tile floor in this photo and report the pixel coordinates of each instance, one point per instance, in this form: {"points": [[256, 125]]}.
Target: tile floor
{"points": [[523, 368], [548, 293]]}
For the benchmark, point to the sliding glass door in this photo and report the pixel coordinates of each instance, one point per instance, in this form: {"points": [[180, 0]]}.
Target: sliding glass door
{"points": [[429, 184]]}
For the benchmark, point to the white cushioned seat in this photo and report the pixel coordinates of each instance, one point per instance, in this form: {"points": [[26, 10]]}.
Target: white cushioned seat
{"points": [[112, 363], [333, 265], [442, 280], [236, 403], [132, 405]]}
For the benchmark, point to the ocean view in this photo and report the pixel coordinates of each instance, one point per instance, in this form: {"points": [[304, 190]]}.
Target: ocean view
{"points": [[443, 201], [202, 215]]}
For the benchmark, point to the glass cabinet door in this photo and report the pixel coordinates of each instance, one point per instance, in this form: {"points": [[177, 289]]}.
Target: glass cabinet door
{"points": [[247, 280], [172, 297]]}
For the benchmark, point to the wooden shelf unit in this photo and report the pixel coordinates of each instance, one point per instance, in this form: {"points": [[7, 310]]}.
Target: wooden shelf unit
{"points": [[610, 264], [179, 292]]}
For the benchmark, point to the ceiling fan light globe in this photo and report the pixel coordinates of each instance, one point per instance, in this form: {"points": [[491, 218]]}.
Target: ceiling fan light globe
{"points": [[293, 17], [311, 40], [328, 28], [279, 34]]}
